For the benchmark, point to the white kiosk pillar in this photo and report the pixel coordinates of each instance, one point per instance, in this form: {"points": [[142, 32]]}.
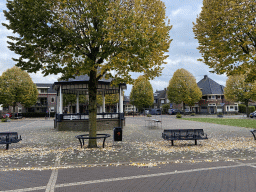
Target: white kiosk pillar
{"points": [[103, 103], [61, 102], [77, 103], [120, 100]]}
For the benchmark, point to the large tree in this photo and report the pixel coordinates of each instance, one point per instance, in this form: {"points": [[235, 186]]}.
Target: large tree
{"points": [[17, 86], [237, 89], [225, 30], [183, 88], [93, 37], [142, 95]]}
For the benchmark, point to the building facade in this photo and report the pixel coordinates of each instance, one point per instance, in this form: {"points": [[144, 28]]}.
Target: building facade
{"points": [[46, 101], [213, 100]]}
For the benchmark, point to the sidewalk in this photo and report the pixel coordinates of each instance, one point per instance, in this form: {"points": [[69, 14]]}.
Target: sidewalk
{"points": [[45, 153]]}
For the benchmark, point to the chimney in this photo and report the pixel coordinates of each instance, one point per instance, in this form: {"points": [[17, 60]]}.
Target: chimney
{"points": [[205, 77]]}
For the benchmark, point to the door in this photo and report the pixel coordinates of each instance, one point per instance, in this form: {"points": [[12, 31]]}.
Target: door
{"points": [[212, 110]]}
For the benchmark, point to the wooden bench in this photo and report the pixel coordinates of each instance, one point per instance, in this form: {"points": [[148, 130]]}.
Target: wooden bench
{"points": [[81, 138], [183, 134], [8, 138]]}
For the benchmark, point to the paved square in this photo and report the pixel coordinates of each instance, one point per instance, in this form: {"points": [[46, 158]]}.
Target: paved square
{"points": [[48, 160]]}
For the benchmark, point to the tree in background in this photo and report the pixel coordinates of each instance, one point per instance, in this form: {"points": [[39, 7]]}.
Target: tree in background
{"points": [[183, 88], [78, 37], [16, 86], [110, 99], [165, 107], [226, 34], [142, 95], [237, 89], [71, 99]]}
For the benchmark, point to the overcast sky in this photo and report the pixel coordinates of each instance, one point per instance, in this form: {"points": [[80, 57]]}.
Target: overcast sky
{"points": [[182, 52]]}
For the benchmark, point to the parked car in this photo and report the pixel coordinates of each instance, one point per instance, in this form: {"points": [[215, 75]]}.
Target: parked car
{"points": [[18, 116], [253, 114], [146, 112], [174, 111], [7, 115], [155, 111]]}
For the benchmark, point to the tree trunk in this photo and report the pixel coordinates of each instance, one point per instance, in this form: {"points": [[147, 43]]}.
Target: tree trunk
{"points": [[92, 109], [183, 108], [247, 110], [13, 107]]}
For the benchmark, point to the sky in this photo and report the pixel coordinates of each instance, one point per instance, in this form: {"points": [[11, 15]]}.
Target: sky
{"points": [[183, 52]]}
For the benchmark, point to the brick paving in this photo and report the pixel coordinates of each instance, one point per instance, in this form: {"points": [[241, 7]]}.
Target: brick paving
{"points": [[47, 160]]}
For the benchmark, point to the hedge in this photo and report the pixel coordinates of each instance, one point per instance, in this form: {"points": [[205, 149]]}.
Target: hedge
{"points": [[242, 108], [33, 114]]}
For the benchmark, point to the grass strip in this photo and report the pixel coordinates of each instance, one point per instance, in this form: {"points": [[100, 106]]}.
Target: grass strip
{"points": [[248, 123]]}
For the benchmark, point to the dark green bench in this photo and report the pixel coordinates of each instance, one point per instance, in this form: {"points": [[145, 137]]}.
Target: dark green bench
{"points": [[183, 134], [8, 138]]}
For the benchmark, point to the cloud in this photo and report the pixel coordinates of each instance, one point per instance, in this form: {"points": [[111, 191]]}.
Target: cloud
{"points": [[38, 77], [186, 11]]}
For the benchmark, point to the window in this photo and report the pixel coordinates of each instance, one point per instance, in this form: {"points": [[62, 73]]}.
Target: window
{"points": [[203, 107], [42, 90], [52, 100], [211, 97], [19, 109], [45, 90], [204, 97], [52, 109], [43, 101], [162, 101], [217, 96]]}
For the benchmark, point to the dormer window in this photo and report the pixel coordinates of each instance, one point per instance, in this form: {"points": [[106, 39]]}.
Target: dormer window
{"points": [[211, 97]]}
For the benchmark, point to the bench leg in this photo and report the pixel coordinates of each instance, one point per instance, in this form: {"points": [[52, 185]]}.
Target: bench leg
{"points": [[104, 142], [195, 142], [172, 142], [253, 135], [80, 143]]}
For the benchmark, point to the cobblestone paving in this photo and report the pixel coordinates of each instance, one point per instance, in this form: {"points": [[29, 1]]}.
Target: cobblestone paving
{"points": [[48, 160], [42, 145]]}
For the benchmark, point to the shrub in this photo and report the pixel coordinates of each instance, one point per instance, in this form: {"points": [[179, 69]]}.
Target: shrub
{"points": [[192, 114], [242, 108], [251, 109], [4, 120], [148, 115], [178, 115]]}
